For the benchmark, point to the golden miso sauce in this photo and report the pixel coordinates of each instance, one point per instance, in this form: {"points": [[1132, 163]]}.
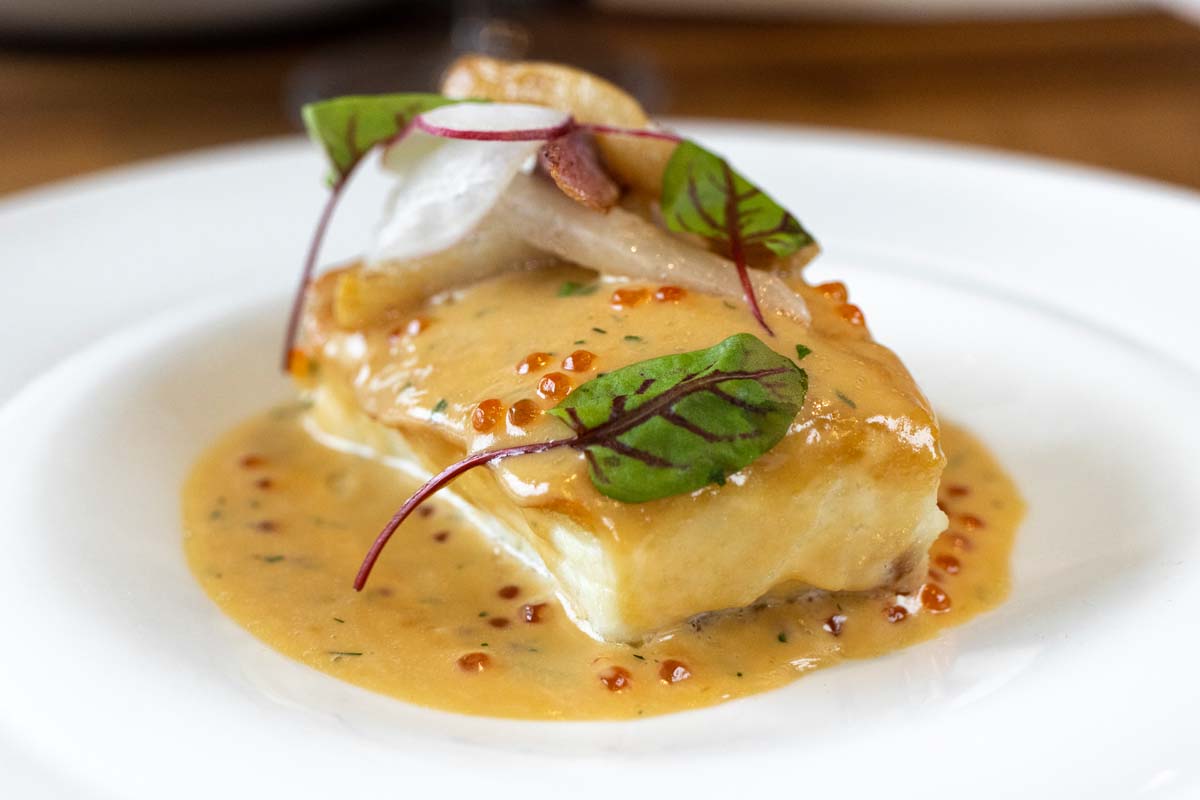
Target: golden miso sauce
{"points": [[276, 525]]}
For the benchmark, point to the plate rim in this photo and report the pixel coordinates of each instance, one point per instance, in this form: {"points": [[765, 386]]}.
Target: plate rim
{"points": [[151, 169]]}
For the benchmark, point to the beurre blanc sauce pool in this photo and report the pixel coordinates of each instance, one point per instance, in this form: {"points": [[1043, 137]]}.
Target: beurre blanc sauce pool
{"points": [[276, 525]]}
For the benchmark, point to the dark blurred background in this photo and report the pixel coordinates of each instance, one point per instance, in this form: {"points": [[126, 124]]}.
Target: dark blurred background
{"points": [[86, 85]]}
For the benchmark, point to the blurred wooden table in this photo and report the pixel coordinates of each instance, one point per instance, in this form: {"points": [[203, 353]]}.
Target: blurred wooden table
{"points": [[1120, 92]]}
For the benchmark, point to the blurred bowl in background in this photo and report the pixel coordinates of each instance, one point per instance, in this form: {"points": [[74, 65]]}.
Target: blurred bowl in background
{"points": [[119, 18]]}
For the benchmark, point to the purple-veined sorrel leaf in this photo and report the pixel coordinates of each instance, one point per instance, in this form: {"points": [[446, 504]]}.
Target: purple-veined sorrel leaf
{"points": [[677, 423], [348, 127], [660, 427], [702, 194]]}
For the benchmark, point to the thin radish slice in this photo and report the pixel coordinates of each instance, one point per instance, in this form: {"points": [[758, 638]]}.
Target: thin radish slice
{"points": [[447, 185], [494, 122]]}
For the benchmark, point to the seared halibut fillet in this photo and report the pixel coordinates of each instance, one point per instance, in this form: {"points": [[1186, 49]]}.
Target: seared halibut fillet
{"points": [[846, 502]]}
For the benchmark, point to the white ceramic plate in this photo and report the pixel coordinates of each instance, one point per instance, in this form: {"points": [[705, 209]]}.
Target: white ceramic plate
{"points": [[1049, 308]]}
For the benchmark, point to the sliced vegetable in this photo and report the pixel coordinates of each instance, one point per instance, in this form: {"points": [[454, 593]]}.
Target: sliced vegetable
{"points": [[495, 122], [660, 427], [348, 127], [447, 185], [572, 163], [622, 243]]}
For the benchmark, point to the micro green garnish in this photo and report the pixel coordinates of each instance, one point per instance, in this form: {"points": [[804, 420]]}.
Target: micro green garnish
{"points": [[845, 399], [347, 128], [439, 407], [573, 289], [702, 194], [599, 330], [660, 427]]}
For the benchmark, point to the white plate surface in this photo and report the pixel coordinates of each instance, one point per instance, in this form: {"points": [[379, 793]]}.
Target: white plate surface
{"points": [[1049, 308]]}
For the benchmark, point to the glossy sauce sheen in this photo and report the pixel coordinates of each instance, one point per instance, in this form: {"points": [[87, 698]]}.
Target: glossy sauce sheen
{"points": [[865, 442], [276, 525]]}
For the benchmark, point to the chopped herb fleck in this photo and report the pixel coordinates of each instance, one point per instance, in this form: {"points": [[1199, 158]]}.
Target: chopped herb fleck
{"points": [[440, 407], [845, 399], [573, 289], [216, 513], [483, 644], [483, 613], [639, 657], [291, 409], [339, 619], [750, 415], [629, 337], [739, 674], [599, 330], [802, 351], [342, 653], [782, 637], [270, 559], [728, 304], [580, 341]]}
